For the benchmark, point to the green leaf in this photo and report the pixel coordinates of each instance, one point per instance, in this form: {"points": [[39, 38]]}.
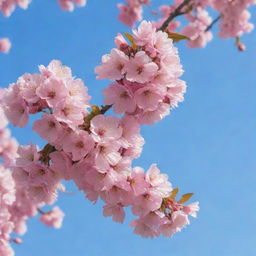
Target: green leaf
{"points": [[176, 37], [175, 191], [131, 40], [185, 198]]}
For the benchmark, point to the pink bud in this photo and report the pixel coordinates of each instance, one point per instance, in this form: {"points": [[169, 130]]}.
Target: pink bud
{"points": [[17, 240], [5, 45]]}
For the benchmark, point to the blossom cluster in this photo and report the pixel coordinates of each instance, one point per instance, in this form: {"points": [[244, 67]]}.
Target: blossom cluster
{"points": [[8, 145], [94, 150], [196, 30], [131, 11], [8, 6], [15, 204], [146, 75], [8, 148], [69, 5], [233, 15], [7, 197]]}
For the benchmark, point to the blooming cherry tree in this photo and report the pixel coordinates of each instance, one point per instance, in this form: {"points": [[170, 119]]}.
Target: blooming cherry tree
{"points": [[95, 150], [92, 148]]}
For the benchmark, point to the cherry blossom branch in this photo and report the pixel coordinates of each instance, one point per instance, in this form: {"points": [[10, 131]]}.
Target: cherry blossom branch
{"points": [[213, 22], [41, 211], [177, 12], [47, 150], [105, 108]]}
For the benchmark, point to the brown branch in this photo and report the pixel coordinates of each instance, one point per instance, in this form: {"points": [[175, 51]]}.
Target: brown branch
{"points": [[95, 111], [178, 11], [45, 153], [105, 108], [41, 211], [213, 22]]}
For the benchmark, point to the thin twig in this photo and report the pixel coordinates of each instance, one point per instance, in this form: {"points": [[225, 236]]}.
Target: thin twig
{"points": [[105, 108], [213, 22], [177, 12], [41, 211]]}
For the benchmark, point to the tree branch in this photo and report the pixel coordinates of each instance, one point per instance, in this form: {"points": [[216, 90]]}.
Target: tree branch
{"points": [[41, 211], [105, 108], [177, 12], [213, 22]]}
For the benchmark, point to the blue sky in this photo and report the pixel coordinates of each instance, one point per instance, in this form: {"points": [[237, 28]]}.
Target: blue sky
{"points": [[207, 145]]}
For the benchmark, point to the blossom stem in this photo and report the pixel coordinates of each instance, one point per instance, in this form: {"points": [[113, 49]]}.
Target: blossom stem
{"points": [[178, 11], [213, 22], [47, 150], [105, 108], [41, 211]]}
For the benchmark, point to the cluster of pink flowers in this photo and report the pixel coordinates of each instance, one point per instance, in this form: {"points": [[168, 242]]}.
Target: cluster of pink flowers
{"points": [[69, 5], [7, 197], [233, 14], [196, 30], [147, 75], [16, 205], [53, 218], [8, 6], [235, 17], [8, 145], [8, 148], [29, 197], [54, 89], [131, 12], [94, 150]]}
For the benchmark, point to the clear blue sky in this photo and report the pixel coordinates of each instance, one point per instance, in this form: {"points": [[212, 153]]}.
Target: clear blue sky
{"points": [[207, 145]]}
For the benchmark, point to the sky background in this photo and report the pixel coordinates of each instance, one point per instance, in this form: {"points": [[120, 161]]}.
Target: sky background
{"points": [[207, 145]]}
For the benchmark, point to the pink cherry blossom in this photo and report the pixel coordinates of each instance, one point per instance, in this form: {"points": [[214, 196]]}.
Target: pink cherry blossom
{"points": [[69, 112], [27, 155], [48, 128], [131, 11], [120, 97], [28, 84], [62, 164], [79, 144], [53, 218], [5, 44], [140, 68], [106, 154], [113, 65], [69, 5], [143, 229], [56, 69], [17, 113], [129, 14], [191, 209], [148, 98], [145, 34], [137, 181], [53, 91], [116, 211], [105, 128]]}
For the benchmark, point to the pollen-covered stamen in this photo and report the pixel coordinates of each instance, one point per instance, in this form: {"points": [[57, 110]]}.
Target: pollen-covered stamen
{"points": [[51, 124], [51, 94], [80, 144], [140, 69], [124, 95]]}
